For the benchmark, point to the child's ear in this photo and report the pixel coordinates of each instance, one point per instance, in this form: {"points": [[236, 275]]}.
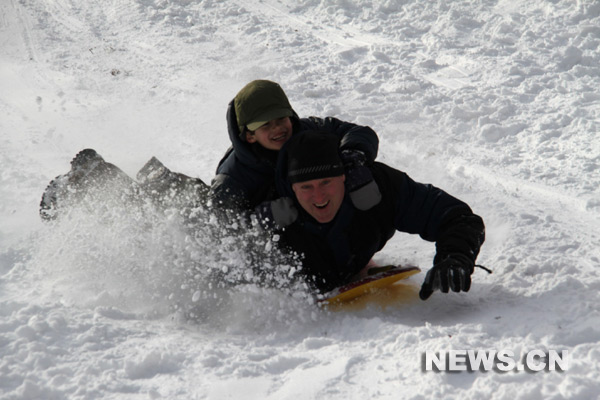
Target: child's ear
{"points": [[250, 138]]}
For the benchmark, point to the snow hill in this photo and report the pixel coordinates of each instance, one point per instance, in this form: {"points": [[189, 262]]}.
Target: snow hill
{"points": [[495, 101]]}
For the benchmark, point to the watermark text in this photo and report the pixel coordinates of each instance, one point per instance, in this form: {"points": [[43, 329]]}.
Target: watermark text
{"points": [[495, 360]]}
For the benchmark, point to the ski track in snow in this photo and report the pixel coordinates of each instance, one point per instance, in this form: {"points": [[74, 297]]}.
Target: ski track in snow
{"points": [[497, 102]]}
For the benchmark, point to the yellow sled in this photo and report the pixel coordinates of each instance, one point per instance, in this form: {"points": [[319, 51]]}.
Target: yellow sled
{"points": [[378, 278]]}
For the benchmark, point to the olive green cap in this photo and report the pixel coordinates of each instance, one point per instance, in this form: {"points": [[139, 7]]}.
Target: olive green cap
{"points": [[259, 102]]}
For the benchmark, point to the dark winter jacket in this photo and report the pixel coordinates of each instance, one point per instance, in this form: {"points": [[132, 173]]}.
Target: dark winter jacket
{"points": [[336, 251], [245, 176]]}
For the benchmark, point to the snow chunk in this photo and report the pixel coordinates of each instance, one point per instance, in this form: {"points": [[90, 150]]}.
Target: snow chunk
{"points": [[154, 363], [495, 132]]}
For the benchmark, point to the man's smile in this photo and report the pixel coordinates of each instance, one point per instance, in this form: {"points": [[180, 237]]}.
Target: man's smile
{"points": [[322, 205]]}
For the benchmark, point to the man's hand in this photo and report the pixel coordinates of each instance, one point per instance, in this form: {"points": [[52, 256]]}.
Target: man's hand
{"points": [[454, 272], [277, 213], [363, 190]]}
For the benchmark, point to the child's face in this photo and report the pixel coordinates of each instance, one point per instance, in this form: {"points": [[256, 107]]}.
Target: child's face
{"points": [[273, 134]]}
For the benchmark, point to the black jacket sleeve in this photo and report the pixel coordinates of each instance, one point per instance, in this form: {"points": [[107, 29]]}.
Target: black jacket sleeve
{"points": [[461, 232], [351, 136], [435, 216], [226, 193]]}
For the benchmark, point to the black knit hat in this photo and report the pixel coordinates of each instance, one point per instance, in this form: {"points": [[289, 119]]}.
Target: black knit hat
{"points": [[313, 155]]}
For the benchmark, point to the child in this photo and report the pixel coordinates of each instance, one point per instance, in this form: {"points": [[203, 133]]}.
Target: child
{"points": [[260, 120]]}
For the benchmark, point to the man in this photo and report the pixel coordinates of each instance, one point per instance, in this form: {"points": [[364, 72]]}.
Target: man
{"points": [[260, 120], [337, 240]]}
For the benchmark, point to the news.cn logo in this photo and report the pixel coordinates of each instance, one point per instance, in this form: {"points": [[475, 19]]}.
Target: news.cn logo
{"points": [[492, 360]]}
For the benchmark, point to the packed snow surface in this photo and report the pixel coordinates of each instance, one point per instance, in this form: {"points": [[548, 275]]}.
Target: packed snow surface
{"points": [[497, 102]]}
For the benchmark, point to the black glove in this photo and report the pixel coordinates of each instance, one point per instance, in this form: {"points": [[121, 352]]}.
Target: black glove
{"points": [[454, 272], [277, 213], [363, 190]]}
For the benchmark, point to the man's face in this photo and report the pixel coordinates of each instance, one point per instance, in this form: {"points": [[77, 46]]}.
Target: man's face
{"points": [[273, 134], [321, 198]]}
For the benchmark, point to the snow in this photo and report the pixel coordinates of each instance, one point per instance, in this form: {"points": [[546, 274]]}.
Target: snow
{"points": [[495, 101]]}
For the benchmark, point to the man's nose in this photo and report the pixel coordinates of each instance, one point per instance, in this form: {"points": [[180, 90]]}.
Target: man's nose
{"points": [[319, 195]]}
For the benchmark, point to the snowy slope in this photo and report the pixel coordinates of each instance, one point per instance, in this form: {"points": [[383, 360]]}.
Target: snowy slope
{"points": [[495, 101]]}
